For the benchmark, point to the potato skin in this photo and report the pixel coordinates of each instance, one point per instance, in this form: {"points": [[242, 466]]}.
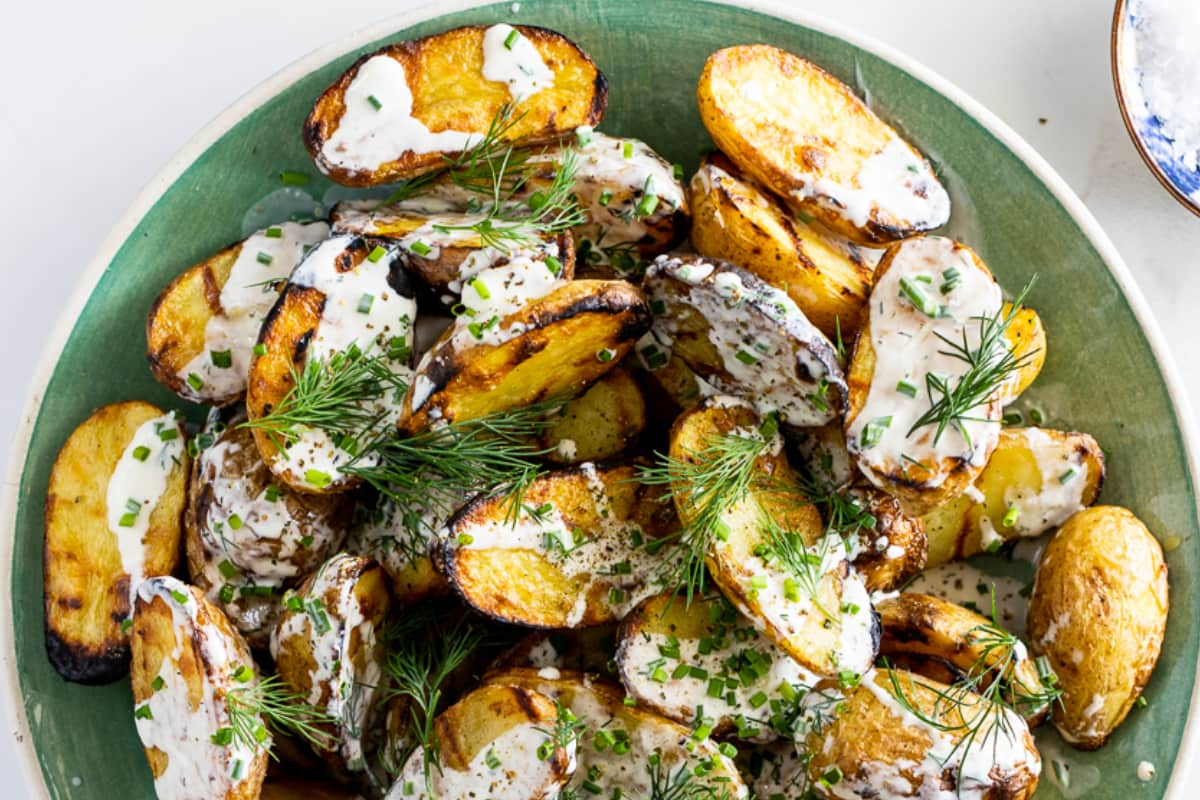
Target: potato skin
{"points": [[449, 65], [599, 424], [1099, 612], [881, 567], [556, 355], [736, 220], [87, 592]]}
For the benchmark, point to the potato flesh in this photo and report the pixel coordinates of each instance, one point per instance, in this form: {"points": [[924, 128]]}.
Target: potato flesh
{"points": [[599, 424]]}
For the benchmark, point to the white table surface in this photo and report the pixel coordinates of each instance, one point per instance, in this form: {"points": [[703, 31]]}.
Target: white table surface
{"points": [[100, 94]]}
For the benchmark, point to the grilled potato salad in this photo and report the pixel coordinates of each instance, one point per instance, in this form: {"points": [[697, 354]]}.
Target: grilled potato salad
{"points": [[501, 495]]}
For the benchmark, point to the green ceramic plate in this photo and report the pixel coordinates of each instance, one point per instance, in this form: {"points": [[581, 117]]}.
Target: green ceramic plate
{"points": [[1107, 372]]}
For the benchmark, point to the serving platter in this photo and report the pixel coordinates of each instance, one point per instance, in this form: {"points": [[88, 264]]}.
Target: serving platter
{"points": [[1107, 371]]}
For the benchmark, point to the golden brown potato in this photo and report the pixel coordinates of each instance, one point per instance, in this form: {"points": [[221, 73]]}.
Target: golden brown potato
{"points": [[201, 330], [490, 746], [399, 540], [775, 564], [1099, 612], [550, 348], [905, 436], [1027, 337], [1034, 481], [609, 720], [671, 654], [413, 221], [582, 550], [668, 384], [892, 551], [93, 559], [188, 662], [745, 337], [591, 649], [398, 112], [805, 136], [736, 220], [876, 738], [600, 424], [307, 325], [930, 627], [326, 648]]}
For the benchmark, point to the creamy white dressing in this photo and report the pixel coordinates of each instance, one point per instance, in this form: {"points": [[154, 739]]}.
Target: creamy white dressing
{"points": [[135, 487], [1145, 771], [965, 584], [265, 258], [1064, 479], [371, 134], [895, 185], [909, 346], [509, 57], [765, 342], [196, 767]]}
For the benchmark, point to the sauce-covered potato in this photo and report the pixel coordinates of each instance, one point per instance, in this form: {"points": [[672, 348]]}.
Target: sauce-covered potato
{"points": [[1099, 612]]}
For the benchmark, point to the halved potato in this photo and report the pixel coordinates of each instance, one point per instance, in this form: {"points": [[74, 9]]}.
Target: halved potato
{"points": [[399, 539], [745, 337], [1098, 612], [675, 657], [811, 604], [317, 317], [591, 649], [498, 741], [326, 649], [878, 740], [736, 220], [550, 348], [930, 627], [906, 437], [201, 330], [600, 424], [1027, 337], [188, 663], [583, 549], [805, 136], [618, 739], [400, 111], [126, 463], [453, 253], [1034, 481]]}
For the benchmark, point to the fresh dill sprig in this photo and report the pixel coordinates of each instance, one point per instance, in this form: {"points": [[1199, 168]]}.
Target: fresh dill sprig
{"points": [[270, 703], [566, 732], [683, 783], [843, 513], [335, 395], [711, 480], [990, 363]]}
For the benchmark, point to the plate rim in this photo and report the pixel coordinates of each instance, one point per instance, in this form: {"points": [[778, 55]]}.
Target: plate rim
{"points": [[32, 776]]}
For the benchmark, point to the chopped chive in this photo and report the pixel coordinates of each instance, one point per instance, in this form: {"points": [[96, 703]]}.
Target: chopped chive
{"points": [[260, 349], [605, 198], [274, 233], [237, 770], [554, 265], [271, 493], [583, 135], [315, 477], [179, 597], [264, 258], [873, 431], [629, 701], [477, 329], [141, 452], [1012, 418], [143, 712], [1010, 516], [1142, 702], [223, 737], [511, 40], [805, 217], [365, 302], [226, 594], [374, 101], [677, 171], [480, 289], [290, 178], [420, 248], [832, 775], [911, 289], [627, 150], [646, 205], [745, 357], [158, 683], [906, 388], [227, 569], [791, 590], [221, 358], [235, 522], [195, 381], [465, 539], [849, 679], [1066, 476], [758, 582], [757, 699], [605, 355], [127, 520], [1036, 416], [126, 625], [316, 614], [306, 540], [376, 254], [491, 759]]}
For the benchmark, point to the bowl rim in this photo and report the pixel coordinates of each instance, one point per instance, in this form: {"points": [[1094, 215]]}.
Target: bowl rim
{"points": [[1118, 32], [33, 778]]}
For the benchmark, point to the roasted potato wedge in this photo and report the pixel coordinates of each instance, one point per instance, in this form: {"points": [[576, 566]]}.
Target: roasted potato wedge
{"points": [[905, 440], [187, 660], [745, 337], [400, 111], [600, 706], [326, 649], [1099, 612], [775, 546], [1034, 481], [315, 321], [876, 740], [930, 627], [1027, 337], [583, 549], [808, 138], [554, 346], [247, 538], [602, 423], [591, 649], [736, 220], [114, 506], [399, 540], [674, 656], [495, 742], [443, 259], [201, 330]]}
